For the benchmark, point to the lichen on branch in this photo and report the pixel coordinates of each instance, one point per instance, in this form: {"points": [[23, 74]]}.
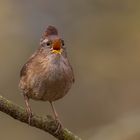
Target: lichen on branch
{"points": [[47, 123]]}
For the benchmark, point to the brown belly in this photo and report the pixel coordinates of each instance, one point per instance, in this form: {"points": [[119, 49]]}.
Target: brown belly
{"points": [[50, 87], [50, 91], [48, 81]]}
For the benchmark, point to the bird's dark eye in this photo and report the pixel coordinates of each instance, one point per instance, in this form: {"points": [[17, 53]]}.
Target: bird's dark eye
{"points": [[48, 43], [62, 41]]}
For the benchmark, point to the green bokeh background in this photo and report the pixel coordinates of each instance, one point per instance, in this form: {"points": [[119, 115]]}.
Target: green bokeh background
{"points": [[103, 41]]}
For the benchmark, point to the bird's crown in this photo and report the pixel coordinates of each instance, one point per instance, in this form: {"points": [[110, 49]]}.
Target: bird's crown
{"points": [[51, 30]]}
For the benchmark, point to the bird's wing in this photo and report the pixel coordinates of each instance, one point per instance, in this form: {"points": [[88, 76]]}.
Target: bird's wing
{"points": [[26, 65], [73, 79]]}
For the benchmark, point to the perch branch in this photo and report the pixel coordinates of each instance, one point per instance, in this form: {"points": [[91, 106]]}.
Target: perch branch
{"points": [[44, 123]]}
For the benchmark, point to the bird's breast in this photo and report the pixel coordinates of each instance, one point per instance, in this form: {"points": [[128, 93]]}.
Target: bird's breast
{"points": [[54, 81]]}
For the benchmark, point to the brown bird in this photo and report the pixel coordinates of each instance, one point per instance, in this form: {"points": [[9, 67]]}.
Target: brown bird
{"points": [[47, 75]]}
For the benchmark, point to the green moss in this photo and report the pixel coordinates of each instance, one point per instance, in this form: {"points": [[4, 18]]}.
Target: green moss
{"points": [[69, 136]]}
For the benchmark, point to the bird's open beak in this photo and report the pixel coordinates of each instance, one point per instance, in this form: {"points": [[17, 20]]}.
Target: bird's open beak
{"points": [[56, 46]]}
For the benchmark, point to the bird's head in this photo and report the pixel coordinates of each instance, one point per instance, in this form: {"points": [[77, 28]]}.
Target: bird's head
{"points": [[52, 41]]}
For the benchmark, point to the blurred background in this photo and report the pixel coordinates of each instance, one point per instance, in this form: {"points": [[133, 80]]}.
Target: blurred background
{"points": [[103, 41]]}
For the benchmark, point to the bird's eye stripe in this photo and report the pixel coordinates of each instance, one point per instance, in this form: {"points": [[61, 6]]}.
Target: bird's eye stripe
{"points": [[45, 40]]}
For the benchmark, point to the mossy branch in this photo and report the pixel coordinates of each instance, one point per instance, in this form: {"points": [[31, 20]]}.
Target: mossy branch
{"points": [[44, 123]]}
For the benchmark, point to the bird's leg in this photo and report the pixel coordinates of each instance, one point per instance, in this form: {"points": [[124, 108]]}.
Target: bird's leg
{"points": [[56, 118], [28, 108]]}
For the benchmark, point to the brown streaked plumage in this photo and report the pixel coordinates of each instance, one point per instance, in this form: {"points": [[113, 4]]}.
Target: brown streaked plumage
{"points": [[47, 75]]}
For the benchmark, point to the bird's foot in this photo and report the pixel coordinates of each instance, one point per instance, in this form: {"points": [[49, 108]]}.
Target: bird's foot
{"points": [[59, 125], [28, 109], [30, 115]]}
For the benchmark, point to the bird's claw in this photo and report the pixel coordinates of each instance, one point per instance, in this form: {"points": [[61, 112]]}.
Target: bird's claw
{"points": [[30, 115], [59, 126]]}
